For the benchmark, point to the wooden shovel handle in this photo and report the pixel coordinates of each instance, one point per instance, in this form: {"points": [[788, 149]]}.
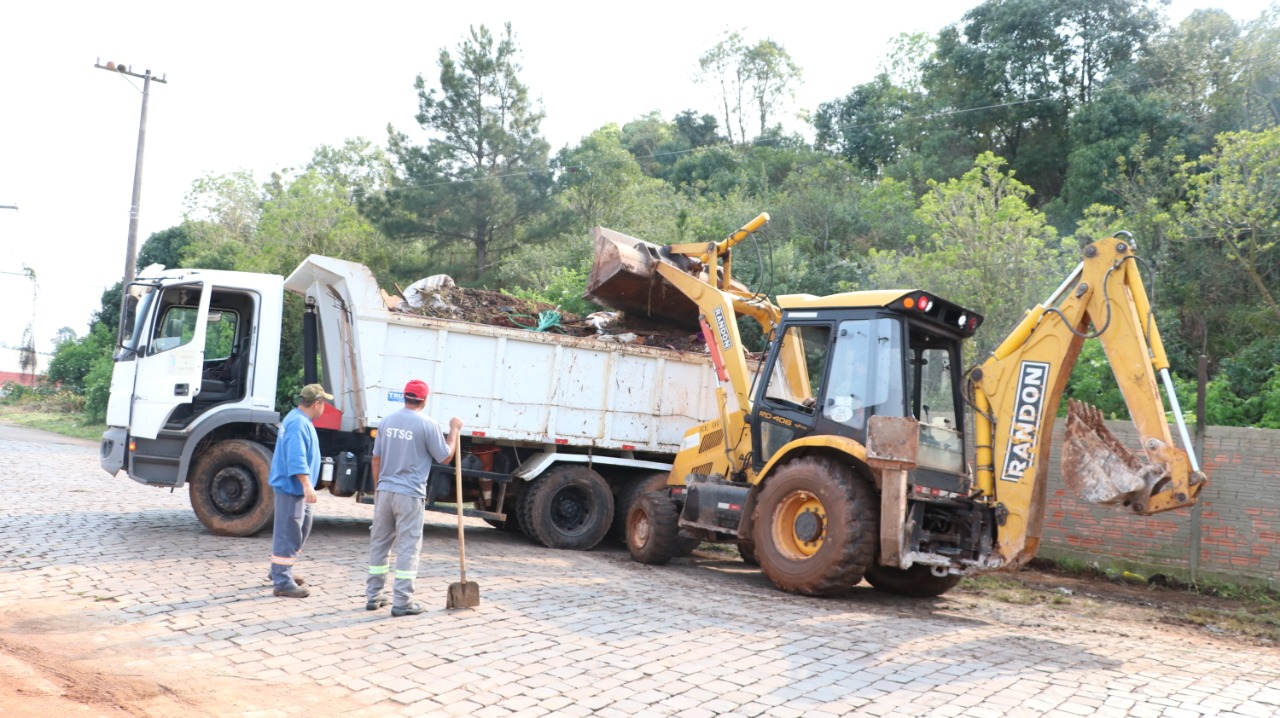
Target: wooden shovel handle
{"points": [[462, 546]]}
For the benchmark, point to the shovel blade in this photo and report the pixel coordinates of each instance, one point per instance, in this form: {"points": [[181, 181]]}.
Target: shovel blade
{"points": [[464, 594], [1097, 467]]}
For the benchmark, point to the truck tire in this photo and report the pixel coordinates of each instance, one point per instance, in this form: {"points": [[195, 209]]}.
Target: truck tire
{"points": [[569, 507], [915, 582], [524, 521], [652, 533], [229, 490], [816, 529]]}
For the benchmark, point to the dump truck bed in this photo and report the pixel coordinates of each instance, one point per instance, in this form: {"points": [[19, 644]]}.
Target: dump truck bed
{"points": [[505, 384]]}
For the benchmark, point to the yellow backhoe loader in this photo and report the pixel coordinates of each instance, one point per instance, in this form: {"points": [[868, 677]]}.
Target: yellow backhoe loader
{"points": [[843, 455]]}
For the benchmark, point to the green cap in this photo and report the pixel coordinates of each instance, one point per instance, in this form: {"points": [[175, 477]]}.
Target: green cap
{"points": [[311, 392]]}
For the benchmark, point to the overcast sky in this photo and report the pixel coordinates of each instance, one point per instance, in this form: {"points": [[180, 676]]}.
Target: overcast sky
{"points": [[259, 85]]}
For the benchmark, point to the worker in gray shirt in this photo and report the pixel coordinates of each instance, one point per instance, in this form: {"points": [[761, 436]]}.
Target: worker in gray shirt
{"points": [[403, 450]]}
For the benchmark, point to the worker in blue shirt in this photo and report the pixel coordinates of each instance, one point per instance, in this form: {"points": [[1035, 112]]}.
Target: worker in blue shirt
{"points": [[295, 469]]}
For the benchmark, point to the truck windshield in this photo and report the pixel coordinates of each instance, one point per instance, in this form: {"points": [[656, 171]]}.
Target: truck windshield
{"points": [[133, 317]]}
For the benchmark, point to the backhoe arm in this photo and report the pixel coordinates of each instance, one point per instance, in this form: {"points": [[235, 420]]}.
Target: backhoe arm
{"points": [[1018, 389]]}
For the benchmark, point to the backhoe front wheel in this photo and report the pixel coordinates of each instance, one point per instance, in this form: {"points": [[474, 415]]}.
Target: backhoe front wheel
{"points": [[815, 527], [652, 532]]}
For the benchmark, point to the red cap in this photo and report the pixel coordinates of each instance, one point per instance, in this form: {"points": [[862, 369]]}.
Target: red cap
{"points": [[417, 390]]}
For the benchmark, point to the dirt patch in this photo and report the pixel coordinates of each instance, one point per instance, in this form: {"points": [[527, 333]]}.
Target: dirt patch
{"points": [[55, 660], [1243, 616], [485, 306], [1044, 597]]}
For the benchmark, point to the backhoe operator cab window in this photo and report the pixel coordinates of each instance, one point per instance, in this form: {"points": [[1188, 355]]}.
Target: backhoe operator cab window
{"points": [[934, 401], [866, 372], [795, 379]]}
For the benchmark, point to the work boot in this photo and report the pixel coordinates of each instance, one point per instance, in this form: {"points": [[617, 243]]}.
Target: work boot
{"points": [[293, 592], [412, 609], [379, 601]]}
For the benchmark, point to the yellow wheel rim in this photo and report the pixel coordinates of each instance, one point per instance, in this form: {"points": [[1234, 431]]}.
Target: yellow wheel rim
{"points": [[799, 525]]}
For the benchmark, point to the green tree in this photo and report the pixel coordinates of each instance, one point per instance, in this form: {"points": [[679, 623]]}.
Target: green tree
{"points": [[1010, 74], [697, 130], [748, 79], [771, 77], [721, 68], [865, 126], [986, 250], [483, 171], [165, 247], [1236, 205]]}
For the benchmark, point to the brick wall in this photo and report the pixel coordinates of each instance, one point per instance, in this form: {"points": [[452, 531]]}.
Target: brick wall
{"points": [[1238, 536]]}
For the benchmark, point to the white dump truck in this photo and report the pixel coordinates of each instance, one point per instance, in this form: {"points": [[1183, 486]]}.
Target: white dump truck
{"points": [[561, 433]]}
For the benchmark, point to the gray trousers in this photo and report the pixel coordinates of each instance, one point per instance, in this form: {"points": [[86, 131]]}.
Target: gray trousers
{"points": [[288, 536], [397, 520]]}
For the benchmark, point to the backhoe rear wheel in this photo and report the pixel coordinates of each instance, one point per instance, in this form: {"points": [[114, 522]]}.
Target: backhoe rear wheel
{"points": [[652, 534], [229, 489], [569, 507], [816, 527], [915, 582]]}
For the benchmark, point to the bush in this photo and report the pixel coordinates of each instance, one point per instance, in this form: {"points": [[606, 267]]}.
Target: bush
{"points": [[97, 389], [12, 393]]}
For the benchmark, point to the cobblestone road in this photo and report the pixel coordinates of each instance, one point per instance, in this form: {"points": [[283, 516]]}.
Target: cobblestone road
{"points": [[561, 633]]}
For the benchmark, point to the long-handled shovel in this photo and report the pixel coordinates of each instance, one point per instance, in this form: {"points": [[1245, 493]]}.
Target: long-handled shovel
{"points": [[463, 594]]}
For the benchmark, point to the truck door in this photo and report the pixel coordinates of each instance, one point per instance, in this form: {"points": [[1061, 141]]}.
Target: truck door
{"points": [[170, 358]]}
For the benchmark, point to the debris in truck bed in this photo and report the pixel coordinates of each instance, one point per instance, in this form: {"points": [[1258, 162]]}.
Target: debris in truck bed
{"points": [[485, 306]]}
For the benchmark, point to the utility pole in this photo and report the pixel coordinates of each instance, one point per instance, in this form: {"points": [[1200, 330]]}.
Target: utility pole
{"points": [[131, 253]]}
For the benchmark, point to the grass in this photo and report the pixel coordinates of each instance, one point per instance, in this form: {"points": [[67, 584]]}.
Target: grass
{"points": [[1254, 620], [1009, 590], [1249, 611], [57, 422]]}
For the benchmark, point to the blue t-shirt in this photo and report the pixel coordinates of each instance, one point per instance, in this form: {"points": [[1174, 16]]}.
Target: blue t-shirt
{"points": [[297, 452], [407, 442]]}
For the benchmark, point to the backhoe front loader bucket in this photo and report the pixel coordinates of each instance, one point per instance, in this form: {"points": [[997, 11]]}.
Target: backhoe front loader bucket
{"points": [[624, 276], [1100, 469]]}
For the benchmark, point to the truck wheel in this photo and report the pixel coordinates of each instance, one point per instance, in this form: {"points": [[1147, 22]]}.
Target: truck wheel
{"points": [[815, 527], [229, 490], [524, 521], [915, 582], [652, 534], [747, 551], [627, 498], [570, 507]]}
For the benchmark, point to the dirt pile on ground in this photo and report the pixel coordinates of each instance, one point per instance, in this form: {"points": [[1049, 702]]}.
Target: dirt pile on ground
{"points": [[485, 306]]}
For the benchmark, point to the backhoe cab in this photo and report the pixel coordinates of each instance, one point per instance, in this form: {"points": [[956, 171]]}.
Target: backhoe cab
{"points": [[842, 456]]}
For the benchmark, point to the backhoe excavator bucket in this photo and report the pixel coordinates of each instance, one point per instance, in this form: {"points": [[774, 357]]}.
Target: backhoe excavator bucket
{"points": [[624, 276], [1097, 467]]}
